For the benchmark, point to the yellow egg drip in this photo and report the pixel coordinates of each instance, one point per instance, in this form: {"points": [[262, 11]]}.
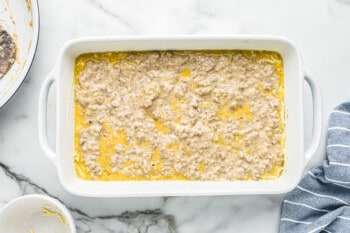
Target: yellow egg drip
{"points": [[220, 141], [276, 60], [276, 172], [107, 145], [185, 73], [127, 164], [79, 122], [238, 138], [175, 146], [175, 107], [161, 127], [201, 166], [204, 105], [175, 104]]}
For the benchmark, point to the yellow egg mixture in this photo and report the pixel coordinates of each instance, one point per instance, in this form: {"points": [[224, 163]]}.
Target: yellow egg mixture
{"points": [[231, 101]]}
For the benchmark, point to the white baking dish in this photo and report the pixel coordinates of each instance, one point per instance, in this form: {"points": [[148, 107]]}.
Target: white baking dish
{"points": [[296, 158]]}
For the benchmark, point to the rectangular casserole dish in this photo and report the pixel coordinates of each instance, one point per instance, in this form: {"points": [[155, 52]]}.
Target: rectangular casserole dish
{"points": [[295, 159]]}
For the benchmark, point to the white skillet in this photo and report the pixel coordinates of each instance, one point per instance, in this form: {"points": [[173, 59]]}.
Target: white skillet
{"points": [[20, 18]]}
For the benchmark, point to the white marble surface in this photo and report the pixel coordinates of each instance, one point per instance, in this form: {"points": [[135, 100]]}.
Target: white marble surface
{"points": [[320, 28]]}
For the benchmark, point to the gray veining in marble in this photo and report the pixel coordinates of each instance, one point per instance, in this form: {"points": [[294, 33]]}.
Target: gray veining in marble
{"points": [[147, 221]]}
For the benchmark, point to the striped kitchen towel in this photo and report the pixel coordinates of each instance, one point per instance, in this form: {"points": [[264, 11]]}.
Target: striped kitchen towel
{"points": [[321, 202]]}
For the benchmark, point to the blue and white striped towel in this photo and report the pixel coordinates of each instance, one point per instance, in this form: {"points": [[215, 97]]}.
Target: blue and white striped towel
{"points": [[321, 202]]}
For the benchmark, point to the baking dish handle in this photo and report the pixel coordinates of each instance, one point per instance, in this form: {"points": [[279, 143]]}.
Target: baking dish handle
{"points": [[317, 118], [42, 116]]}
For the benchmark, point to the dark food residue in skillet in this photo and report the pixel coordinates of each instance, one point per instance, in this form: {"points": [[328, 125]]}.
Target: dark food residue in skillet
{"points": [[7, 52]]}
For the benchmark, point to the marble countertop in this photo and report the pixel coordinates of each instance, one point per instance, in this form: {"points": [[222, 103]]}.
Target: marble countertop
{"points": [[320, 28]]}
